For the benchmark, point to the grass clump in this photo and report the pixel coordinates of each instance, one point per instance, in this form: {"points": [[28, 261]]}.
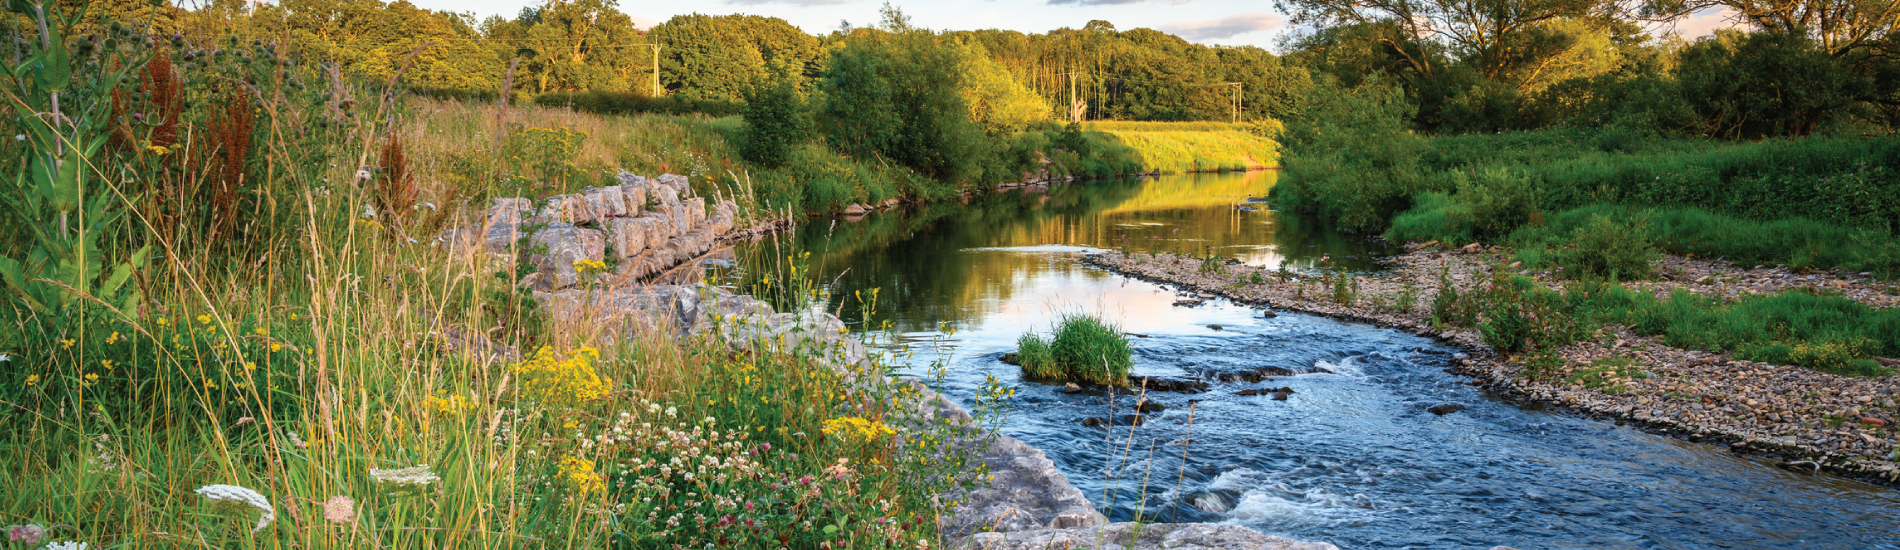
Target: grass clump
{"points": [[1085, 349]]}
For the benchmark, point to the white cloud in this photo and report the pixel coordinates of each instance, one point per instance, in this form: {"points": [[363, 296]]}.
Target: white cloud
{"points": [[1225, 27], [1109, 2], [643, 23], [1706, 22]]}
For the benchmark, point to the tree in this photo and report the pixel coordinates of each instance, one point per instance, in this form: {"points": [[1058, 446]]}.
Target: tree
{"points": [[719, 57], [1766, 84], [1483, 32], [775, 122]]}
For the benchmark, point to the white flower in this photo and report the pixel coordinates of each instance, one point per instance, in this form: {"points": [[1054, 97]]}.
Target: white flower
{"points": [[294, 440], [240, 495], [19, 137], [66, 545], [416, 476], [4, 358]]}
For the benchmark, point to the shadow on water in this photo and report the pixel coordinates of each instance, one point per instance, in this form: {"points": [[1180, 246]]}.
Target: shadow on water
{"points": [[1352, 456]]}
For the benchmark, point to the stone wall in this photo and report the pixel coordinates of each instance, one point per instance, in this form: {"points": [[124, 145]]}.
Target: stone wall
{"points": [[642, 227]]}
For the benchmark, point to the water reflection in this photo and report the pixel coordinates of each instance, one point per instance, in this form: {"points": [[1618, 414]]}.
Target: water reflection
{"points": [[958, 262]]}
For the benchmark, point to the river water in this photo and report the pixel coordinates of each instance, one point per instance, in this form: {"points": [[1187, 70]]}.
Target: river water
{"points": [[1352, 457]]}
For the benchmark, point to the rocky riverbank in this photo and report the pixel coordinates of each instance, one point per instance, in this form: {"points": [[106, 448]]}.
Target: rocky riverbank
{"points": [[1027, 502], [1810, 419]]}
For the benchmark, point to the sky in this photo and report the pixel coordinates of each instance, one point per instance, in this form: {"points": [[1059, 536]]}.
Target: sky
{"points": [[1212, 22]]}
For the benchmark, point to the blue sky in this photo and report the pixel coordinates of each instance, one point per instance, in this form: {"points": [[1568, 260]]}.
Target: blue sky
{"points": [[1222, 22]]}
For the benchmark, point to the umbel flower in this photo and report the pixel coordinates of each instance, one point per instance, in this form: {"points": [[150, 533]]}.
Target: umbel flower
{"points": [[413, 477], [66, 545], [339, 509], [28, 534], [239, 495]]}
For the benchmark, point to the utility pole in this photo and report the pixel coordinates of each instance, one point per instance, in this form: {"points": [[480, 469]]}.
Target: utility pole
{"points": [[656, 66], [1235, 101]]}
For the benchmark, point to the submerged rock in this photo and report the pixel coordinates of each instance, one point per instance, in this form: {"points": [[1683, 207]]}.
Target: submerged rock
{"points": [[1444, 409]]}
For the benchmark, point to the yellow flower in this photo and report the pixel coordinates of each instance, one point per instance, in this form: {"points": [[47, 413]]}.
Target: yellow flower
{"points": [[276, 346], [159, 150], [579, 474], [590, 265], [164, 322], [854, 428], [261, 331], [249, 366], [114, 338], [449, 405], [557, 380], [204, 319], [92, 377], [67, 343], [32, 379], [107, 363]]}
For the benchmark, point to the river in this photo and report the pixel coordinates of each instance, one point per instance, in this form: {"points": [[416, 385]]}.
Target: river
{"points": [[1352, 457]]}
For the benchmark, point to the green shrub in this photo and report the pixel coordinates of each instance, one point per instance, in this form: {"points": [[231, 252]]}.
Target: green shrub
{"points": [[1493, 201], [1609, 248], [775, 122], [622, 103], [1085, 349]]}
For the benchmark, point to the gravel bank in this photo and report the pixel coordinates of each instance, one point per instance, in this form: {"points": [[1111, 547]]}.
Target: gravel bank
{"points": [[1810, 419]]}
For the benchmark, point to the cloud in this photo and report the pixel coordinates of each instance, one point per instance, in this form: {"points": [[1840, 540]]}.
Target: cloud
{"points": [[792, 2], [1223, 28], [1706, 22], [643, 23]]}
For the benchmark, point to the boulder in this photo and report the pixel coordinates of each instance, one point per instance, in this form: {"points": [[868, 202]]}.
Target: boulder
{"points": [[565, 244], [575, 209], [608, 201], [632, 236], [855, 210]]}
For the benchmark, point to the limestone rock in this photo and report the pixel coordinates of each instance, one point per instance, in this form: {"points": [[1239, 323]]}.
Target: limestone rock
{"points": [[633, 236], [609, 201], [565, 244]]}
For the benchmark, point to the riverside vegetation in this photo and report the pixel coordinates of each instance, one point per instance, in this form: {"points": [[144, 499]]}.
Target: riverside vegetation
{"points": [[228, 324]]}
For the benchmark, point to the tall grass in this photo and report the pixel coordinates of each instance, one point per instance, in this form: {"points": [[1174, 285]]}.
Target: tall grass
{"points": [[365, 380]]}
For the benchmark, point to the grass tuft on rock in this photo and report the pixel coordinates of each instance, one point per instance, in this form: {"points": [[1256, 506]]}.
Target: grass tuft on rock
{"points": [[1085, 349]]}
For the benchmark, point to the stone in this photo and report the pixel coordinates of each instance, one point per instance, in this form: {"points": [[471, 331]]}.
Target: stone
{"points": [[1215, 327], [1472, 248], [632, 236], [1268, 313], [607, 202], [574, 209], [565, 244], [855, 210], [1071, 388], [1094, 421], [1871, 421], [1444, 409], [1150, 407], [1280, 395]]}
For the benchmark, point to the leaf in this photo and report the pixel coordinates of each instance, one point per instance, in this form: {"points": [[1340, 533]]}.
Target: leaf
{"points": [[831, 529]]}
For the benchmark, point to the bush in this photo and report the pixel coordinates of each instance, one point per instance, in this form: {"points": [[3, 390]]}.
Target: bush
{"points": [[622, 103], [1085, 349], [775, 122], [1608, 248]]}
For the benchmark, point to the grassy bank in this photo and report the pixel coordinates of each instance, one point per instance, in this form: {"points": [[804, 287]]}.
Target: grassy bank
{"points": [[1816, 203], [226, 325]]}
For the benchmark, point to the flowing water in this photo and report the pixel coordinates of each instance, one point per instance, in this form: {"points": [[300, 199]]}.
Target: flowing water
{"points": [[1352, 457]]}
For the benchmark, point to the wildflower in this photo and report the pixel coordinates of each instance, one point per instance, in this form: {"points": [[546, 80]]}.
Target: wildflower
{"points": [[563, 380], [589, 265], [28, 534], [32, 379], [240, 495], [276, 346], [114, 338], [403, 478], [339, 509], [92, 377], [579, 474], [4, 358], [66, 545], [159, 150], [854, 428], [261, 331], [449, 405], [19, 137], [204, 319], [67, 343]]}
